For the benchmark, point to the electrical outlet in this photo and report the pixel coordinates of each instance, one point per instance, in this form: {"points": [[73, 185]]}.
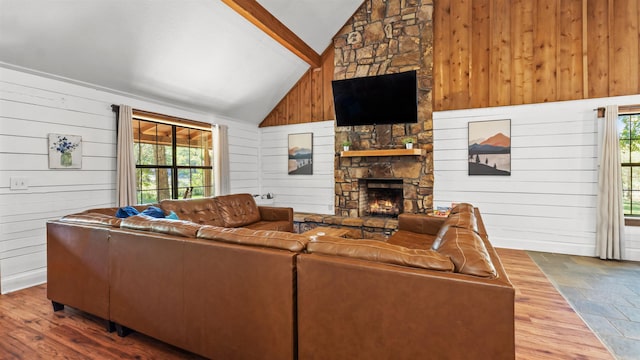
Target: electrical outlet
{"points": [[19, 183]]}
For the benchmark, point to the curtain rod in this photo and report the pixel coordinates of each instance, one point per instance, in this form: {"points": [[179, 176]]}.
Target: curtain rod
{"points": [[167, 119]]}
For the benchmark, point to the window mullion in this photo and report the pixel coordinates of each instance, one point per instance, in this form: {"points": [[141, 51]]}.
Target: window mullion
{"points": [[174, 170]]}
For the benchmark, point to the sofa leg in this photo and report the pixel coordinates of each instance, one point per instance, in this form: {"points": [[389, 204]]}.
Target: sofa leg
{"points": [[57, 306], [123, 330], [111, 326]]}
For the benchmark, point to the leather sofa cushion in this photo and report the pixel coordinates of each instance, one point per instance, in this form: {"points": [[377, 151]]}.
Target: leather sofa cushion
{"points": [[378, 251], [266, 238], [420, 223], [411, 240], [462, 220], [237, 210], [462, 208], [164, 226], [93, 218], [467, 252], [271, 225], [137, 222], [200, 211]]}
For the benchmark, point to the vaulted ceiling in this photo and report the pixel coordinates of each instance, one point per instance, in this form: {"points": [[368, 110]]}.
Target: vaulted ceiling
{"points": [[198, 54]]}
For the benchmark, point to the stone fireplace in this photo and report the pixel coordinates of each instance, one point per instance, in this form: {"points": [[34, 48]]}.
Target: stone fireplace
{"points": [[380, 197], [386, 37]]}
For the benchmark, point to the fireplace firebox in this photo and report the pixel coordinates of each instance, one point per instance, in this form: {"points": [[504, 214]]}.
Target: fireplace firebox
{"points": [[381, 197]]}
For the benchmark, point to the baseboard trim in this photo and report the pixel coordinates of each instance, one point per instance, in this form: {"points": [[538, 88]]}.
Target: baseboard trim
{"points": [[23, 280], [544, 246], [557, 248]]}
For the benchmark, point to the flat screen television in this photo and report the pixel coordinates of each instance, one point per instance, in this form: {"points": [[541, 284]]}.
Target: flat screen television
{"points": [[374, 100]]}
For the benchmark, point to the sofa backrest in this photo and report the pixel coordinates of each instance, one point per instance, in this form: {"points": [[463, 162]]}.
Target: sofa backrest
{"points": [[200, 211], [142, 222], [237, 210], [264, 238]]}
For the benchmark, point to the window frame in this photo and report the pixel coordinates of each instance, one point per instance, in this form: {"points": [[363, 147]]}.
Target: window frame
{"points": [[174, 168], [631, 219]]}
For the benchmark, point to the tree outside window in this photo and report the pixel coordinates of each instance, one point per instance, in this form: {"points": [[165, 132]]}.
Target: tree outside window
{"points": [[629, 135], [172, 161]]}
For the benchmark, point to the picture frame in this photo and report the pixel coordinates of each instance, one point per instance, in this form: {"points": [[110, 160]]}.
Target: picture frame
{"points": [[65, 151], [300, 154], [489, 151]]}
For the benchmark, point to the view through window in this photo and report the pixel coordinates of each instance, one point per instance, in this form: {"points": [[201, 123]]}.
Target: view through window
{"points": [[172, 161], [629, 135]]}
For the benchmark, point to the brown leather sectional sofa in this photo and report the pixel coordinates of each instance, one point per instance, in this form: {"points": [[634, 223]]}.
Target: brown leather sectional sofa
{"points": [[241, 293]]}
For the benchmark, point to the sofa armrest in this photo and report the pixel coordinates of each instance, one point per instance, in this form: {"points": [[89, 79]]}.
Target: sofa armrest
{"points": [[420, 223], [272, 213]]}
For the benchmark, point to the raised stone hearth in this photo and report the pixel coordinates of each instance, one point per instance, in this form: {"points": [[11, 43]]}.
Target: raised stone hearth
{"points": [[376, 228], [386, 37]]}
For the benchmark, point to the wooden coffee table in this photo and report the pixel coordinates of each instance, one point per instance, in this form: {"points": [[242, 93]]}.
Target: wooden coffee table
{"points": [[322, 230]]}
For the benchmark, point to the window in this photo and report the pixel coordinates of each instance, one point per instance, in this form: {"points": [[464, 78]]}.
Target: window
{"points": [[629, 135], [172, 161]]}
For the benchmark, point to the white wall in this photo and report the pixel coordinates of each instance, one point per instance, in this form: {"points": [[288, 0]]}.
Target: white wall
{"points": [[33, 106], [304, 193], [549, 201]]}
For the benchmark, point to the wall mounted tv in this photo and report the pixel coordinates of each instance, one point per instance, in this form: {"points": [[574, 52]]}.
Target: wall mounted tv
{"points": [[375, 100]]}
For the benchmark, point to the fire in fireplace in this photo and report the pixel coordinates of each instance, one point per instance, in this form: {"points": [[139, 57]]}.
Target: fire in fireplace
{"points": [[381, 197]]}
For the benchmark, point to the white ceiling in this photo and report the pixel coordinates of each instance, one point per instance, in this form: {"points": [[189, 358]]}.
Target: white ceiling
{"points": [[198, 54]]}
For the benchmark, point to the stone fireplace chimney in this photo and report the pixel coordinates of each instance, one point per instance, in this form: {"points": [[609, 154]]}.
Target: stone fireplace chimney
{"points": [[384, 37]]}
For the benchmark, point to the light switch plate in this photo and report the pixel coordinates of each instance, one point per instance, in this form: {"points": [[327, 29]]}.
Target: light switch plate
{"points": [[19, 183]]}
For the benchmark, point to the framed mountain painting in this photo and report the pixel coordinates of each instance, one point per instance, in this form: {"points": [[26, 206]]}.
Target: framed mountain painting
{"points": [[490, 147], [300, 154]]}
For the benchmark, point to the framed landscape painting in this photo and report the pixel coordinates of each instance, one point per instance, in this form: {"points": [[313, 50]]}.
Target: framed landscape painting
{"points": [[65, 151], [490, 147], [301, 154]]}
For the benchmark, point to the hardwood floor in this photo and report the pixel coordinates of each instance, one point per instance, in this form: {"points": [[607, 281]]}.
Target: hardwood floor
{"points": [[29, 329], [546, 326]]}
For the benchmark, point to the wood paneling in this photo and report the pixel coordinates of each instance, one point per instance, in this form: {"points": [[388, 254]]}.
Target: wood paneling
{"points": [[508, 52], [442, 54], [479, 71], [598, 48], [526, 52], [549, 200], [31, 107], [309, 100], [305, 193]]}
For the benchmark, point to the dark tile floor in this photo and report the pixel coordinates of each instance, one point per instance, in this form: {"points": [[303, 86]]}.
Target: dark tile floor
{"points": [[606, 294]]}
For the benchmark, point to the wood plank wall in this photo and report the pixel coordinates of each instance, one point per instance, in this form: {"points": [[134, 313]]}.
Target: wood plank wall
{"points": [[507, 52], [510, 52], [310, 100], [31, 107]]}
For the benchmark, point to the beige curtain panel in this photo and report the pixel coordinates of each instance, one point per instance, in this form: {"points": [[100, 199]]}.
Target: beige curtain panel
{"points": [[222, 183], [126, 164], [610, 211]]}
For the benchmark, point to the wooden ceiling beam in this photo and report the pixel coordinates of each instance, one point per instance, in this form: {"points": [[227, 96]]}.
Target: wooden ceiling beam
{"points": [[260, 17]]}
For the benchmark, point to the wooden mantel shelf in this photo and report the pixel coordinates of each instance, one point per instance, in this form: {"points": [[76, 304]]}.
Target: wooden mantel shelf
{"points": [[385, 152]]}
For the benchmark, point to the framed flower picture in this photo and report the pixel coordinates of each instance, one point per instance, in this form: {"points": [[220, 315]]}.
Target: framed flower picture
{"points": [[65, 151]]}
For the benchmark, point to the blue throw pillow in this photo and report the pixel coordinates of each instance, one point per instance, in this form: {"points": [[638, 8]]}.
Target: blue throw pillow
{"points": [[125, 212], [172, 215], [153, 211]]}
